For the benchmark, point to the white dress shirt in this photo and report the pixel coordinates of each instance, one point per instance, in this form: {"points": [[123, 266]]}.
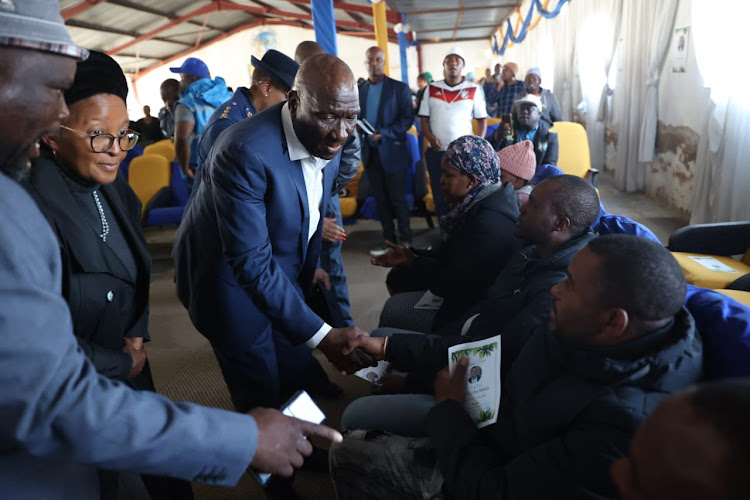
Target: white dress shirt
{"points": [[312, 171]]}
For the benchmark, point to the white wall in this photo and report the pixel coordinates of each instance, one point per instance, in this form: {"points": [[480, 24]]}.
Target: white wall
{"points": [[683, 101], [230, 59], [479, 56]]}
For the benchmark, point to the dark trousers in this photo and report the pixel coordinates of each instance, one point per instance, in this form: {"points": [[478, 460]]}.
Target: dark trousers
{"points": [[261, 367], [433, 159], [337, 298], [389, 191]]}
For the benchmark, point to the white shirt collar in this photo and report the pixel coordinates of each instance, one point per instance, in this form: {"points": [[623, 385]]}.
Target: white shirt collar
{"points": [[296, 150]]}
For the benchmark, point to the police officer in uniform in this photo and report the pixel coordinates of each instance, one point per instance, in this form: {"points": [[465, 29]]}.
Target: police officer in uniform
{"points": [[272, 79]]}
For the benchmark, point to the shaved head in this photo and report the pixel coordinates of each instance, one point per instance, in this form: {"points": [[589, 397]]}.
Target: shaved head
{"points": [[307, 49], [324, 104], [375, 63]]}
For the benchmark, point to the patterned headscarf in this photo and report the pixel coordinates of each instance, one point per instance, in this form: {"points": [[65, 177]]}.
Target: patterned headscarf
{"points": [[471, 155]]}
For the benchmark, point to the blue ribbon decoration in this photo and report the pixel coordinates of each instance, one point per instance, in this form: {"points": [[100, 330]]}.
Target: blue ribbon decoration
{"points": [[511, 37]]}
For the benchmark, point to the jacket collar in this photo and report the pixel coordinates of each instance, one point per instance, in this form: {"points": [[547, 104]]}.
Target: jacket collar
{"points": [[85, 246]]}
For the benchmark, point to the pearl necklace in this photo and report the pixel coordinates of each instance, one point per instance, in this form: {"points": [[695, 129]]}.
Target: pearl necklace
{"points": [[105, 224]]}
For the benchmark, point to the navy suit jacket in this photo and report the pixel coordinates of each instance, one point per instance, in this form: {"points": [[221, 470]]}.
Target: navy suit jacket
{"points": [[395, 117], [242, 260], [60, 419]]}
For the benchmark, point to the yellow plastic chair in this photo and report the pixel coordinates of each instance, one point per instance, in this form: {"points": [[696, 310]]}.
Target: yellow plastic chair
{"points": [[739, 295], [575, 156], [699, 247], [164, 148], [147, 175], [348, 203], [490, 122]]}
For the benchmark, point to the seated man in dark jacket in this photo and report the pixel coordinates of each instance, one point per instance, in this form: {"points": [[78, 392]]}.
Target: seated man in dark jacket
{"points": [[527, 126], [555, 221], [618, 342], [694, 446]]}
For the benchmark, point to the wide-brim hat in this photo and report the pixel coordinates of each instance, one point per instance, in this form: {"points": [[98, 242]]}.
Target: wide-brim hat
{"points": [[37, 25], [278, 66]]}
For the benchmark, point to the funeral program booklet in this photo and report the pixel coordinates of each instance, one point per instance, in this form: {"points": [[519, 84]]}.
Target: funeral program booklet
{"points": [[373, 373], [482, 378]]}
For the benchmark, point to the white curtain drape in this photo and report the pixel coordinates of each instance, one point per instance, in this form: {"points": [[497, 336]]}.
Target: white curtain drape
{"points": [[642, 34], [598, 31], [615, 15], [721, 184], [661, 34]]}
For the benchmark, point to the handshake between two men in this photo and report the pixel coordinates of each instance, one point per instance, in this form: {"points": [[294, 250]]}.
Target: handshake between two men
{"points": [[282, 441]]}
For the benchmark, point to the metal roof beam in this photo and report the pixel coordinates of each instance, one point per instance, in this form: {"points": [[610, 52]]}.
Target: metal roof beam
{"points": [[464, 27], [442, 11], [443, 40], [212, 7], [156, 12], [391, 16], [81, 7]]}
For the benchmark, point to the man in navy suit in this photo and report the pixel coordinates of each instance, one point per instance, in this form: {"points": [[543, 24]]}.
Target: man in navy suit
{"points": [[60, 419], [249, 244], [386, 105]]}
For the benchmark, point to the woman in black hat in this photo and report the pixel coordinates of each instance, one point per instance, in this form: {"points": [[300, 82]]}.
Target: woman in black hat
{"points": [[96, 217]]}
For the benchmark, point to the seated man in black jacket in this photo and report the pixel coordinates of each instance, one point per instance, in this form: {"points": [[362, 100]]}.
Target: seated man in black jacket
{"points": [[528, 126], [694, 446], [555, 222], [618, 341]]}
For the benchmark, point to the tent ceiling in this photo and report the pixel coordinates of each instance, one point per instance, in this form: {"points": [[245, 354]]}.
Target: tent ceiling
{"points": [[143, 33]]}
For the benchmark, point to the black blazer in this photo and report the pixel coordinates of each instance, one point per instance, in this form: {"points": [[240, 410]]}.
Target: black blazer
{"points": [[105, 303], [466, 265]]}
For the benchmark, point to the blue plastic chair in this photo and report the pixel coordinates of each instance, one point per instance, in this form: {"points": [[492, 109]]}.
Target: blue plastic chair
{"points": [[724, 325], [619, 224]]}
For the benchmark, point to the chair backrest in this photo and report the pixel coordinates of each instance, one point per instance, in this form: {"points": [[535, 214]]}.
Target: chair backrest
{"points": [[574, 157], [490, 122], [148, 173], [544, 172], [164, 148], [619, 224], [719, 238], [125, 165], [412, 144], [724, 325]]}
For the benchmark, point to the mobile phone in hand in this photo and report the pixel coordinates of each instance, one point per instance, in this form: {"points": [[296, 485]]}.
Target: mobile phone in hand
{"points": [[300, 406]]}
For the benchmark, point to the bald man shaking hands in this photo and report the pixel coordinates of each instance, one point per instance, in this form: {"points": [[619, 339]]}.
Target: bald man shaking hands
{"points": [[247, 249]]}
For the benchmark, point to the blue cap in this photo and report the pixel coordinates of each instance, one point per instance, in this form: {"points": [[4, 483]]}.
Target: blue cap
{"points": [[193, 66]]}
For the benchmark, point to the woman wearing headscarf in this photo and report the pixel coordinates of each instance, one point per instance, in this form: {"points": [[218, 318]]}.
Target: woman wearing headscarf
{"points": [[106, 263], [478, 239]]}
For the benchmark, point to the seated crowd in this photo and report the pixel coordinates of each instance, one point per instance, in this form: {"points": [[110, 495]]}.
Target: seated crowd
{"points": [[599, 354]]}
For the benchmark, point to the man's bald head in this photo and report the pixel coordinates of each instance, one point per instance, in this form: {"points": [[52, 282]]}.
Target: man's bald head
{"points": [[324, 104], [321, 73], [375, 63], [307, 49]]}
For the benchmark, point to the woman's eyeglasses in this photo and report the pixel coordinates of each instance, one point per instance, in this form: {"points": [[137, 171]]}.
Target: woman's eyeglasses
{"points": [[101, 142]]}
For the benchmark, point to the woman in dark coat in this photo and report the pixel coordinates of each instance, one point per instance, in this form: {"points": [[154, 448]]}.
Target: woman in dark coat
{"points": [[96, 218], [478, 239]]}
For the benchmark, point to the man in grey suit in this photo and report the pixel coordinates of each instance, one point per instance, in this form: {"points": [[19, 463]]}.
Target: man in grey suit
{"points": [[60, 419]]}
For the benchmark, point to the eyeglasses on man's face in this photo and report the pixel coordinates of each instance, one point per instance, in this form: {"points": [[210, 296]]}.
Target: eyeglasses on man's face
{"points": [[101, 142]]}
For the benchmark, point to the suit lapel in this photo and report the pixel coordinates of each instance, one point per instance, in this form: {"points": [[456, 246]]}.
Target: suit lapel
{"points": [[132, 233], [295, 172]]}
